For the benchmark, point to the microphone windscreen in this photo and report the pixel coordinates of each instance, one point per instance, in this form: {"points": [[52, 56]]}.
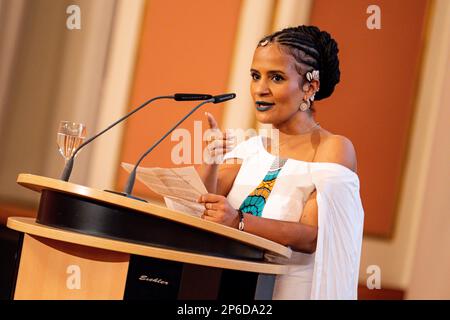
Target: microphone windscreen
{"points": [[191, 96], [224, 97]]}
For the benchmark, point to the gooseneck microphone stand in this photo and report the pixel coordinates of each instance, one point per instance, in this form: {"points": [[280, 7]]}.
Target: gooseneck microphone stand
{"points": [[177, 97]]}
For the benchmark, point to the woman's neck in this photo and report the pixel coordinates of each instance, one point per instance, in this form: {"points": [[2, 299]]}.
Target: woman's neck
{"points": [[301, 124]]}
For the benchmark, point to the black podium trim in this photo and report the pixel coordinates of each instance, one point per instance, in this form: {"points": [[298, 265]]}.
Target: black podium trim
{"points": [[10, 251], [155, 279], [97, 218]]}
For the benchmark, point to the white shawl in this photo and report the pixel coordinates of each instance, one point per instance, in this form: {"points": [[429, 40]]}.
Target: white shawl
{"points": [[341, 219]]}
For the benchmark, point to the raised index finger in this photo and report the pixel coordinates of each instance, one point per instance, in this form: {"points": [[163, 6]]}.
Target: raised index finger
{"points": [[212, 121]]}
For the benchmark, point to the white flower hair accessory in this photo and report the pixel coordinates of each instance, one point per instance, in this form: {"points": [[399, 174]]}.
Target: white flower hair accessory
{"points": [[264, 43], [314, 75]]}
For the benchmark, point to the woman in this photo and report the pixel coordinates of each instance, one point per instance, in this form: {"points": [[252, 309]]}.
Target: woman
{"points": [[306, 196]]}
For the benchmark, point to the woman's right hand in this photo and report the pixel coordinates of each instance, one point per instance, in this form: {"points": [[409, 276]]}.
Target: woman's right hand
{"points": [[218, 143]]}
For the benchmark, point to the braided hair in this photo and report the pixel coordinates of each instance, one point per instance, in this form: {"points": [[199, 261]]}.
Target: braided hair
{"points": [[313, 50]]}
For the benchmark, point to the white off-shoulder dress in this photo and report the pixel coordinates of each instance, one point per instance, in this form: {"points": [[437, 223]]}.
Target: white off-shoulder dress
{"points": [[332, 271]]}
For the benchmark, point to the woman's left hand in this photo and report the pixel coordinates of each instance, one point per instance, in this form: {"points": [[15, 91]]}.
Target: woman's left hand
{"points": [[218, 209]]}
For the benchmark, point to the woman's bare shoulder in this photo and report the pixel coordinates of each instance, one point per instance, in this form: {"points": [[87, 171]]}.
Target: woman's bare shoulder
{"points": [[336, 149]]}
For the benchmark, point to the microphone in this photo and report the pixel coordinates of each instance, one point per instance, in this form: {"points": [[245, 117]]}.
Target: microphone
{"points": [[191, 96], [132, 177], [177, 97], [224, 97]]}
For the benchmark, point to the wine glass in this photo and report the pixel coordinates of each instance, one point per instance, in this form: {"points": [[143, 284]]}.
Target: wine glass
{"points": [[70, 136]]}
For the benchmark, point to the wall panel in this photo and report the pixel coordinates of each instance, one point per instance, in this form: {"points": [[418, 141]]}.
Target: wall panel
{"points": [[186, 46], [374, 103]]}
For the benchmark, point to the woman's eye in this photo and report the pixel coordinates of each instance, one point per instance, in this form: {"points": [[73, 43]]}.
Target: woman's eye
{"points": [[255, 76], [277, 78]]}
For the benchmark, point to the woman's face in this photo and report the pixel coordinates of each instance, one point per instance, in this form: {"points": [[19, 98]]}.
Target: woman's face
{"points": [[275, 85]]}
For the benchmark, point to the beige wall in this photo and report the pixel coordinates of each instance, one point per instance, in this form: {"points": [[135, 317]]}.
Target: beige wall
{"points": [[429, 276], [54, 74], [27, 102], [425, 182], [81, 74], [114, 100], [11, 14]]}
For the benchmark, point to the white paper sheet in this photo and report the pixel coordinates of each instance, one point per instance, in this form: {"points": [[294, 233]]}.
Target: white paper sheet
{"points": [[180, 187]]}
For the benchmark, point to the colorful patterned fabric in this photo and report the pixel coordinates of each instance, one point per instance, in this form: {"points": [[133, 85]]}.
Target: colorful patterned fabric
{"points": [[256, 200]]}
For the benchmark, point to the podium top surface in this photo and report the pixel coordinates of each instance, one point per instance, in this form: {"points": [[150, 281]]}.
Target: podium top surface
{"points": [[29, 226], [39, 183]]}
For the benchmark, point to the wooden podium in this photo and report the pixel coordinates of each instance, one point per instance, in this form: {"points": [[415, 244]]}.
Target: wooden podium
{"points": [[93, 244]]}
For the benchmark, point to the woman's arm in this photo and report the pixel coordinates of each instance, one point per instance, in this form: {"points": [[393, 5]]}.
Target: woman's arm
{"points": [[300, 236], [219, 178]]}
